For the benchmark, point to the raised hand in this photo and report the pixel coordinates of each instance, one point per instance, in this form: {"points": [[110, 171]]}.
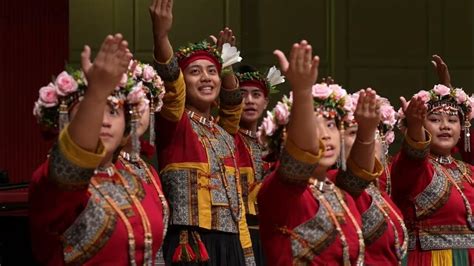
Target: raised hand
{"points": [[112, 60], [225, 36], [161, 12], [441, 70], [367, 115], [302, 68], [415, 113], [302, 71]]}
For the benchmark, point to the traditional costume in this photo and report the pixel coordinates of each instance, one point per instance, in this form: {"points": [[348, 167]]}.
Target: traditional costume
{"points": [[199, 168], [304, 221], [436, 193], [84, 215], [252, 166]]}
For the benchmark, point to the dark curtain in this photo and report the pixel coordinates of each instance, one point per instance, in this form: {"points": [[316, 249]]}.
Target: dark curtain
{"points": [[33, 47]]}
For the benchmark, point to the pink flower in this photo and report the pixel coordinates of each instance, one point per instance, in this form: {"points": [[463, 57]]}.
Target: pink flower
{"points": [[158, 82], [321, 91], [388, 114], [348, 104], [268, 124], [338, 91], [137, 94], [471, 102], [159, 105], [48, 95], [123, 80], [423, 95], [148, 73], [441, 90], [282, 113], [389, 137], [138, 71], [461, 96], [65, 84]]}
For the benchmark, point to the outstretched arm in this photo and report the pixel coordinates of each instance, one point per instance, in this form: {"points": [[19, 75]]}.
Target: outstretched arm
{"points": [[102, 77], [302, 71]]}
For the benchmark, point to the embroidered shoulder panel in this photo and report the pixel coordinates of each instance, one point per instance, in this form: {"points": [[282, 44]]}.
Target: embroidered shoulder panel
{"points": [[168, 72], [90, 231], [374, 223], [66, 174], [435, 195], [351, 183], [313, 236], [293, 171]]}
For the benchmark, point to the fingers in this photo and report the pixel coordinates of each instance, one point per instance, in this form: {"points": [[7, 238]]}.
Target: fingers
{"points": [[404, 104], [164, 4], [282, 60], [293, 54], [213, 39], [86, 58], [300, 56], [315, 66], [154, 5]]}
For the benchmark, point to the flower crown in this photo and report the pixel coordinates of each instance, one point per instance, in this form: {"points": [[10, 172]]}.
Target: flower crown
{"points": [[268, 82], [56, 99], [332, 101], [142, 81], [192, 48], [442, 95]]}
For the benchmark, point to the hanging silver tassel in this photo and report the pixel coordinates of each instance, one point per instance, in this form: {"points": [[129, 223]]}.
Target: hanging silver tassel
{"points": [[383, 158], [342, 155], [63, 116], [135, 141], [467, 135], [152, 125]]}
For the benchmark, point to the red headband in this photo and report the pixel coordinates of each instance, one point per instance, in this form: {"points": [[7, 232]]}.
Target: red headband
{"points": [[183, 63], [255, 83]]}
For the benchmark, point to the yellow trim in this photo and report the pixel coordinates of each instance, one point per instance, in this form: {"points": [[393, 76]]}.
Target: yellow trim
{"points": [[204, 202], [364, 174], [174, 99], [443, 257], [229, 117], [418, 145], [304, 156], [204, 167], [252, 197], [244, 235], [77, 155]]}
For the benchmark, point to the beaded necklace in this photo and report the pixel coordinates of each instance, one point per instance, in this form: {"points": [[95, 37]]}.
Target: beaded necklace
{"points": [[164, 204], [400, 250], [210, 127], [148, 238], [319, 188]]}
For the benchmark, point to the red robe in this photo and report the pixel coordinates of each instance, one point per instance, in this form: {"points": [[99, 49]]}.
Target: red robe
{"points": [[434, 210], [73, 224], [287, 207]]}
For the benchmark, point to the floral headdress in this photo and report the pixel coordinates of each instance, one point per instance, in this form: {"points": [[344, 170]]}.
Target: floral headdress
{"points": [[332, 101], [145, 82], [59, 96], [266, 83], [453, 101], [205, 50]]}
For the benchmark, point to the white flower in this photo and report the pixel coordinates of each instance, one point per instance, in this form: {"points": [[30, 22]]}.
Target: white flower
{"points": [[274, 76], [230, 55]]}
